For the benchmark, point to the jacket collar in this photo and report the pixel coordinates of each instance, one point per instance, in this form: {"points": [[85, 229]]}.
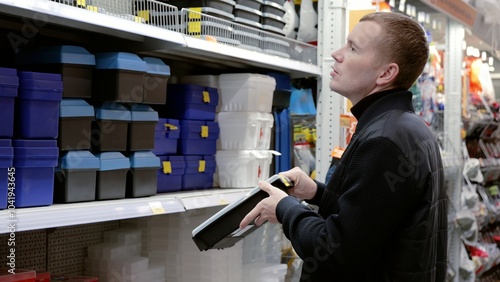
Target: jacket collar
{"points": [[381, 102]]}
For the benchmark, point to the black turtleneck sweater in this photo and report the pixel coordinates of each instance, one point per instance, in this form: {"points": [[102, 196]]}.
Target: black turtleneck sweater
{"points": [[382, 217]]}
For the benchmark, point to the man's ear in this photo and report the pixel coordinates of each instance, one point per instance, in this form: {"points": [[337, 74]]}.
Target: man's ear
{"points": [[388, 75]]}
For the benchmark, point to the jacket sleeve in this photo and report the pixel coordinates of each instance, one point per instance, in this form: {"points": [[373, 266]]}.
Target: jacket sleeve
{"points": [[379, 190]]}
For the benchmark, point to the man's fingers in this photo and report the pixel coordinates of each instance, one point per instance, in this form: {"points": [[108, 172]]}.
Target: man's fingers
{"points": [[266, 187], [250, 216]]}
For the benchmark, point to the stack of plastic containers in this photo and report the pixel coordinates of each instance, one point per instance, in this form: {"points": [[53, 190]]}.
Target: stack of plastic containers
{"points": [[9, 84], [168, 243], [123, 133], [194, 108], [36, 129], [245, 120], [119, 258], [76, 170]]}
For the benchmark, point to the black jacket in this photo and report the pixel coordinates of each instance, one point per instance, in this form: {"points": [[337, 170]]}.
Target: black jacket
{"points": [[383, 215]]}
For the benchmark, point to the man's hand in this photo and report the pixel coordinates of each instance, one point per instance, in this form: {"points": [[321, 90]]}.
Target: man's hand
{"points": [[265, 210]]}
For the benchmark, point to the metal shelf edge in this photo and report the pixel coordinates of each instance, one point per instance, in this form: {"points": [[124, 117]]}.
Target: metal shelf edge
{"points": [[58, 215]]}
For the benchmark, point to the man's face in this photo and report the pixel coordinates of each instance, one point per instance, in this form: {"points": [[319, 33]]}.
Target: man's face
{"points": [[358, 63]]}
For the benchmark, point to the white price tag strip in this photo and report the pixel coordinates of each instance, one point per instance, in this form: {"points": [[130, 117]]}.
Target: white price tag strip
{"points": [[156, 207]]}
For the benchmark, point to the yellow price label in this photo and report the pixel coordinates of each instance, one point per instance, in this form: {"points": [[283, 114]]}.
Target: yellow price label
{"points": [[156, 207]]}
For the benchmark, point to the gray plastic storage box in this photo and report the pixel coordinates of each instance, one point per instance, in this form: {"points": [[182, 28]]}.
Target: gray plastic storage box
{"points": [[112, 176], [74, 63], [75, 177], [143, 174], [118, 77], [141, 132], [254, 4], [155, 81], [110, 128], [245, 12], [273, 8], [75, 124]]}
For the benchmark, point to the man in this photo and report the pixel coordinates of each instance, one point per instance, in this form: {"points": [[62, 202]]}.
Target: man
{"points": [[383, 215]]}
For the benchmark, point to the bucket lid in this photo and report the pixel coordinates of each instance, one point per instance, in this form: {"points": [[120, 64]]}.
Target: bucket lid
{"points": [[156, 66], [58, 54], [79, 160], [120, 60], [112, 111], [141, 112], [113, 161], [75, 108], [142, 159]]}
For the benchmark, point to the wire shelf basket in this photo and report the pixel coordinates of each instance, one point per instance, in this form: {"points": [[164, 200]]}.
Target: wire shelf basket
{"points": [[197, 24], [149, 12], [204, 23]]}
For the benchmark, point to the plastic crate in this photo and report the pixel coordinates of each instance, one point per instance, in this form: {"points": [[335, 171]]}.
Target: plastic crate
{"points": [[9, 84]]}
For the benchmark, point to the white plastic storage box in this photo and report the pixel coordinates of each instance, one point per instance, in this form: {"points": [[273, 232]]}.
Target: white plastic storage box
{"points": [[246, 92], [245, 130], [264, 272], [242, 168]]}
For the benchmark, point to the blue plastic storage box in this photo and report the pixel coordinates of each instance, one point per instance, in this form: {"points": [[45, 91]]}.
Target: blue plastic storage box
{"points": [[198, 137], [35, 162], [111, 180], [155, 81], [141, 131], [199, 172], [110, 128], [189, 101], [9, 84], [37, 106], [142, 177], [75, 179], [118, 77], [167, 132], [74, 63], [7, 172], [75, 124], [170, 173]]}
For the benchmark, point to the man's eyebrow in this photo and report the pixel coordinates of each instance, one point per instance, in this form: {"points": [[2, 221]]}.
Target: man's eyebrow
{"points": [[352, 43]]}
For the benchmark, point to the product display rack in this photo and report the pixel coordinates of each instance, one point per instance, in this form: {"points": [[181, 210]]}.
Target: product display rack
{"points": [[146, 40], [164, 43]]}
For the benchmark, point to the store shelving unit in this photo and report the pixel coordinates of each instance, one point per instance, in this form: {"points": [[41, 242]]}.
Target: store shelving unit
{"points": [[59, 215], [142, 38]]}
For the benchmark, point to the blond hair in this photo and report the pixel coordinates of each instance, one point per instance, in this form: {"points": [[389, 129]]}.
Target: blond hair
{"points": [[406, 45]]}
